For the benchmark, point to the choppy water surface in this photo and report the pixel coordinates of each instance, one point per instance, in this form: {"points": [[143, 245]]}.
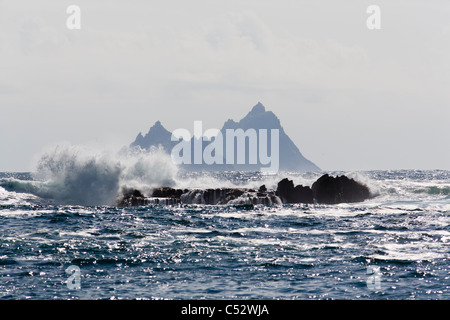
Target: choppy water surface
{"points": [[232, 252]]}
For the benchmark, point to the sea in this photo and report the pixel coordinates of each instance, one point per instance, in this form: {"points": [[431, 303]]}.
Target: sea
{"points": [[393, 246]]}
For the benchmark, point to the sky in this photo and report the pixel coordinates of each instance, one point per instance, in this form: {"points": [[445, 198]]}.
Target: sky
{"points": [[350, 97]]}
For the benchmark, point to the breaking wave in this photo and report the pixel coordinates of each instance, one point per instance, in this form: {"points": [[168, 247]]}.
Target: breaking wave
{"points": [[90, 176], [434, 190], [86, 176]]}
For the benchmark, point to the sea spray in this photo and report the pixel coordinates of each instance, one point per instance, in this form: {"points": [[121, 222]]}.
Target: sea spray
{"points": [[86, 176], [374, 186], [79, 175], [145, 170]]}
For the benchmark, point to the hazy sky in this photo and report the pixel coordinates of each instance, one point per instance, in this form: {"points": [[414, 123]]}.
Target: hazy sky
{"points": [[349, 97]]}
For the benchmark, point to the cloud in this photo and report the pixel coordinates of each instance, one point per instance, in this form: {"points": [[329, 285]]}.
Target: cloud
{"points": [[131, 65], [236, 48], [37, 37], [241, 28]]}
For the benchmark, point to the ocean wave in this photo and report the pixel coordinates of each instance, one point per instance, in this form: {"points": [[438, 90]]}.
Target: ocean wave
{"points": [[81, 175], [434, 190], [86, 176]]}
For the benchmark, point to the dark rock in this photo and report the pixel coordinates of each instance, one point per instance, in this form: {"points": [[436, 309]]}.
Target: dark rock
{"points": [[132, 197], [232, 194], [290, 194], [167, 192], [262, 191], [284, 189], [341, 189], [212, 196], [326, 190], [302, 194]]}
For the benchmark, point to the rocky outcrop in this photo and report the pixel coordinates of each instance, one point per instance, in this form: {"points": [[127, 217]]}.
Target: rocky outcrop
{"points": [[229, 196], [290, 194], [156, 136], [167, 192], [290, 157], [341, 189], [132, 198], [326, 190]]}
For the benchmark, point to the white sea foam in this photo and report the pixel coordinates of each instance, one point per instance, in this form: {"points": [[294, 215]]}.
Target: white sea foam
{"points": [[417, 251], [202, 181], [82, 175], [147, 170]]}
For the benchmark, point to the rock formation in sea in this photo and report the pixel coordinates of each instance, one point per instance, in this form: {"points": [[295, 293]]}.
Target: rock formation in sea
{"points": [[341, 189], [132, 198], [156, 136], [290, 157], [326, 190], [290, 194]]}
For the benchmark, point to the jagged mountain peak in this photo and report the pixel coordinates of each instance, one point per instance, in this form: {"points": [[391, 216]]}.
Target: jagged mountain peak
{"points": [[258, 118], [157, 127], [291, 158], [156, 135], [258, 108]]}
